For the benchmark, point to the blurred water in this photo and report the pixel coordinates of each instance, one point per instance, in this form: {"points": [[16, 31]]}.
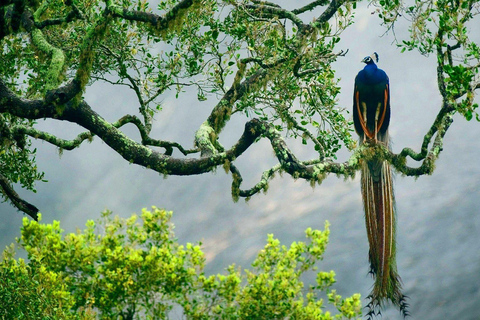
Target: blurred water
{"points": [[438, 217]]}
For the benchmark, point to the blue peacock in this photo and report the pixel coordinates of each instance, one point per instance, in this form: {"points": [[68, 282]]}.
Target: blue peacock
{"points": [[371, 116]]}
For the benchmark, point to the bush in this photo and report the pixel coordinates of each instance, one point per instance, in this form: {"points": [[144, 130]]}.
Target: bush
{"points": [[135, 269]]}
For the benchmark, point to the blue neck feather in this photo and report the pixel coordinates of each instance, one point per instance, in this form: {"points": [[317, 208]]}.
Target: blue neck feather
{"points": [[372, 74]]}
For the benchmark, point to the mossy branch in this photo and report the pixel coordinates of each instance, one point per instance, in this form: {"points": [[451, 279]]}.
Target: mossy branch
{"points": [[85, 62], [74, 14], [255, 72], [204, 140], [264, 10], [316, 170], [56, 68], [64, 144], [332, 8], [237, 180], [438, 127], [52, 139]]}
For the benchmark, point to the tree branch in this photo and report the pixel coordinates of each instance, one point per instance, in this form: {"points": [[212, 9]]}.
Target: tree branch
{"points": [[130, 150], [310, 6], [50, 138], [444, 113], [157, 22], [71, 16], [316, 170], [264, 10], [65, 103], [18, 202], [329, 12], [148, 141]]}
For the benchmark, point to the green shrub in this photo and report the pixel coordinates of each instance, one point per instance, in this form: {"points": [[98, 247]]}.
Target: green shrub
{"points": [[135, 269]]}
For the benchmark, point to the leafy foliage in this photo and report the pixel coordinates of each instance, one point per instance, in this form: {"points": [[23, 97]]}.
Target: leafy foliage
{"points": [[29, 291], [17, 158], [135, 268], [241, 58], [457, 53], [280, 65]]}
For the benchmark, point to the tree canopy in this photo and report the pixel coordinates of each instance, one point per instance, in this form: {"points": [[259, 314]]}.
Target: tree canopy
{"points": [[258, 60]]}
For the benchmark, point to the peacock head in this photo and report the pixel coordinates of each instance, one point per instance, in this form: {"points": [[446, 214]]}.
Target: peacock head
{"points": [[371, 59]]}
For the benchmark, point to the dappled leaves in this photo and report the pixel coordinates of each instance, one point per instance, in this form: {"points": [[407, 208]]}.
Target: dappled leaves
{"points": [[124, 267], [442, 27], [17, 158], [30, 291]]}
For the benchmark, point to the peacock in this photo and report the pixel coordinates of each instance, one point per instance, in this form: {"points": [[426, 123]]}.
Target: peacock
{"points": [[371, 116]]}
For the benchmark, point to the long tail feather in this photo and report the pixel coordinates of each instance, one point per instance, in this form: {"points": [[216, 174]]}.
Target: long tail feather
{"points": [[379, 205]]}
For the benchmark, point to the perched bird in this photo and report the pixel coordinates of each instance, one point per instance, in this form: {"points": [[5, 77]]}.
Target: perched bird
{"points": [[371, 116]]}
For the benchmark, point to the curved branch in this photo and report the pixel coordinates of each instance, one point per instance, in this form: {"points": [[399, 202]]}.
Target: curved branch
{"points": [[75, 143], [261, 185], [147, 141], [265, 10], [50, 138], [428, 164], [18, 202], [316, 170], [129, 149], [57, 56], [444, 113]]}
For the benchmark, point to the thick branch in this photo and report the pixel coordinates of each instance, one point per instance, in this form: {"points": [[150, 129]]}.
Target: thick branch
{"points": [[222, 111], [129, 149], [57, 57], [314, 171]]}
